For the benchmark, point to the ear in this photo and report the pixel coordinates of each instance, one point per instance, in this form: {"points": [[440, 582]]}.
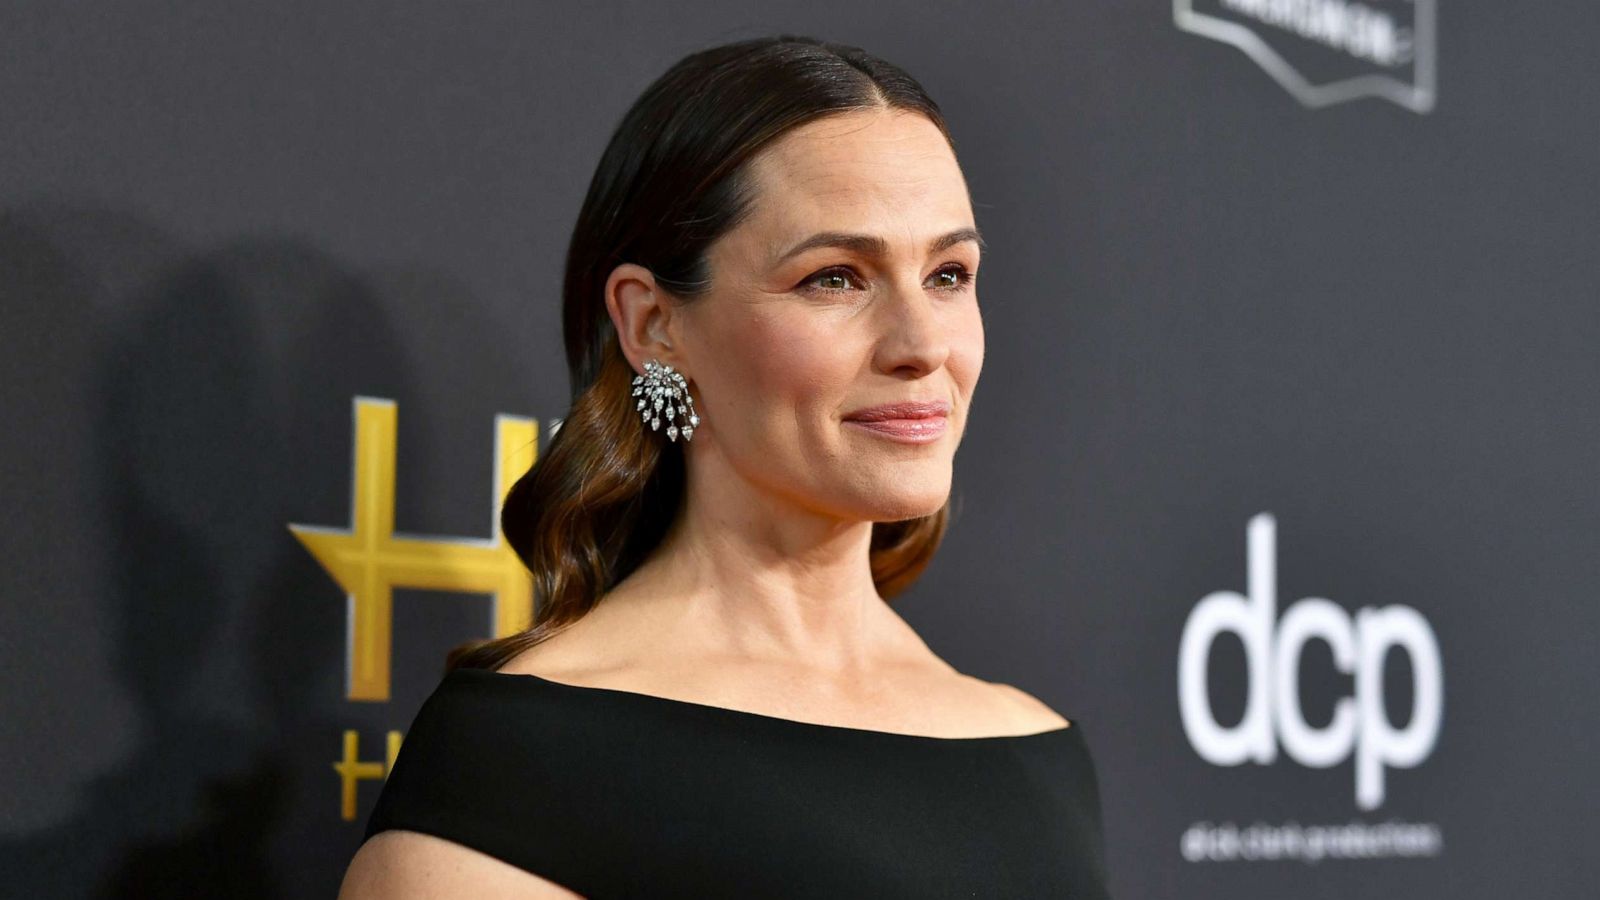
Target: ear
{"points": [[641, 311]]}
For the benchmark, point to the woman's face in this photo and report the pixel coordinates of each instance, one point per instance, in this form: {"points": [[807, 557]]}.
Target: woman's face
{"points": [[788, 345]]}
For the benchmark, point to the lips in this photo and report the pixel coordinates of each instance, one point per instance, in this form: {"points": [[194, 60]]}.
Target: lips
{"points": [[892, 411], [921, 422]]}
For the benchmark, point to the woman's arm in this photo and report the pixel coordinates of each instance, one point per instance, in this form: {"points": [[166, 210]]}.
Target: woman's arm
{"points": [[407, 865]]}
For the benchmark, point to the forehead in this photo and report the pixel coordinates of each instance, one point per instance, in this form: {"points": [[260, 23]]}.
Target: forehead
{"points": [[886, 172]]}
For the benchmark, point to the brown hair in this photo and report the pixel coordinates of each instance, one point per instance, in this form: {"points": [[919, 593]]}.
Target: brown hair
{"points": [[671, 181]]}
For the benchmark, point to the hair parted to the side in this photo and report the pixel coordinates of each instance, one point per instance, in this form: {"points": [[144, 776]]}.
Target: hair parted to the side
{"points": [[673, 179]]}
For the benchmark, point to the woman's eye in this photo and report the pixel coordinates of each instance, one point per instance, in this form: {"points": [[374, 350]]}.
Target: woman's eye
{"points": [[835, 276], [960, 273], [837, 279]]}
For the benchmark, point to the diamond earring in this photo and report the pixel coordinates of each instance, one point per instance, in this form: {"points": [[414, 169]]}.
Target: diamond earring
{"points": [[662, 390]]}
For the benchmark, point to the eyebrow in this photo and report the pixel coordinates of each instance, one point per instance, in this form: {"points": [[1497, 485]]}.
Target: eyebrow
{"points": [[872, 245]]}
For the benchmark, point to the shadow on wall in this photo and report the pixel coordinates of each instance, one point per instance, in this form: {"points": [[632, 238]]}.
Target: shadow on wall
{"points": [[203, 391]]}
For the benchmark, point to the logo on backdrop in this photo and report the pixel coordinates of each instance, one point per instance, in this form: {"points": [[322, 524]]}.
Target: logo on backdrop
{"points": [[369, 559], [1328, 51], [1360, 728]]}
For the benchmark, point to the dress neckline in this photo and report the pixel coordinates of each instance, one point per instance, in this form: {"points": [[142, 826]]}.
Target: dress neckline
{"points": [[705, 709]]}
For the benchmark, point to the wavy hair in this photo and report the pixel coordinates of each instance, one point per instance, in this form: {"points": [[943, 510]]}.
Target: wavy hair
{"points": [[673, 179]]}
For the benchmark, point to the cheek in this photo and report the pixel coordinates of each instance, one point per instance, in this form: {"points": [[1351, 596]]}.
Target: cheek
{"points": [[777, 362], [966, 350]]}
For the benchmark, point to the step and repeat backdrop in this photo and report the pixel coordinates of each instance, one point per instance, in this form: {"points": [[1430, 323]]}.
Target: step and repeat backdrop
{"points": [[1283, 476]]}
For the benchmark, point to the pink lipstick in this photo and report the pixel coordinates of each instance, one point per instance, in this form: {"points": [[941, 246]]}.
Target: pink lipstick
{"points": [[915, 422]]}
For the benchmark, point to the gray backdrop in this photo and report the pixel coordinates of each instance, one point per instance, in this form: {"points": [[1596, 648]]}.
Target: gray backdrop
{"points": [[1326, 267]]}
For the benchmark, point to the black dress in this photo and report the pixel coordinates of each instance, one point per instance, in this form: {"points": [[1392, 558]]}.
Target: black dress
{"points": [[619, 794]]}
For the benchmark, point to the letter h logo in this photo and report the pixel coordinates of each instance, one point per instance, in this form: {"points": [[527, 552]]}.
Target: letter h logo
{"points": [[369, 559]]}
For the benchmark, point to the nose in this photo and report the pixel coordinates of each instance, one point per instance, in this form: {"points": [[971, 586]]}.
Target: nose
{"points": [[914, 334]]}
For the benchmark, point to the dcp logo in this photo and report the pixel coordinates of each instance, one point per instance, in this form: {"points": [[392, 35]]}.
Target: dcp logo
{"points": [[1272, 707]]}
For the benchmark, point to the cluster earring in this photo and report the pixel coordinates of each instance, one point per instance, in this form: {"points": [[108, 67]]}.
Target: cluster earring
{"points": [[662, 391]]}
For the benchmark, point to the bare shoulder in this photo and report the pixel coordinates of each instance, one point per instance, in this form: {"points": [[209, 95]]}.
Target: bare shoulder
{"points": [[1031, 710], [598, 641], [407, 865]]}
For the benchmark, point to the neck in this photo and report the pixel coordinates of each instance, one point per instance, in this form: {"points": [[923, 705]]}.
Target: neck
{"points": [[749, 578]]}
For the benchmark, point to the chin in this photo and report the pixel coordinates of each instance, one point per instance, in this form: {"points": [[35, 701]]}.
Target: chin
{"points": [[897, 505]]}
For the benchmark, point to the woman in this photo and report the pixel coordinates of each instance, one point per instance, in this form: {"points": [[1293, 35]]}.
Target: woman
{"points": [[774, 338]]}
